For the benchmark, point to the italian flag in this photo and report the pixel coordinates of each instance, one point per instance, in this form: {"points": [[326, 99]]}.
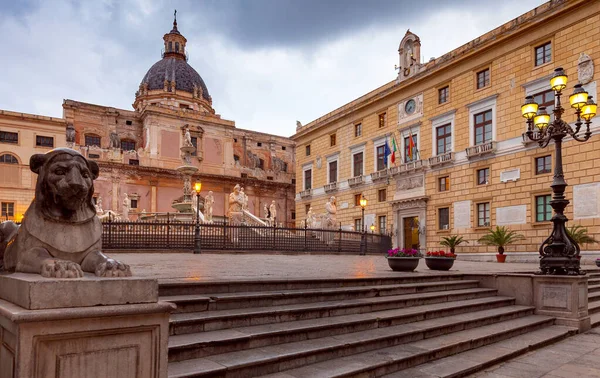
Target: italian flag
{"points": [[394, 149]]}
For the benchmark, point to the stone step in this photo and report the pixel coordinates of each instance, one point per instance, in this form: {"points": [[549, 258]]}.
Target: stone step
{"points": [[593, 288], [380, 350], [226, 301], [595, 319], [594, 281], [202, 344], [593, 307], [474, 360], [221, 319], [177, 287], [593, 297]]}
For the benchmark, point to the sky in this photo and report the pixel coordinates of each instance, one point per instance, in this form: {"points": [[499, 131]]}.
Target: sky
{"points": [[266, 63]]}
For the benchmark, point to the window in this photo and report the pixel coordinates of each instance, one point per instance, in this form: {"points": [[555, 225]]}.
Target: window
{"points": [[234, 140], [382, 195], [127, 145], [358, 225], [333, 171], [8, 209], [176, 46], [261, 164], [184, 106], [483, 176], [92, 140], [410, 152], [358, 129], [44, 141], [483, 214], [307, 208], [282, 147], [134, 162], [195, 144], [443, 94], [293, 215], [134, 203], [308, 150], [381, 158], [308, 179], [128, 123], [244, 175], [170, 46], [443, 136], [543, 164], [543, 210], [483, 78], [8, 137], [543, 54], [444, 184], [332, 140], [382, 119], [8, 159], [293, 181], [357, 164], [259, 144], [483, 127], [270, 178], [357, 198], [444, 218], [236, 158], [546, 99], [382, 221], [285, 167]]}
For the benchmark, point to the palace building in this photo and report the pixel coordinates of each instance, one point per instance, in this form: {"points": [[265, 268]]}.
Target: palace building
{"points": [[440, 150], [138, 150]]}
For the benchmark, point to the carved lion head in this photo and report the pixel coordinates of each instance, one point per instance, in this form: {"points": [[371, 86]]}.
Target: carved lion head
{"points": [[65, 185]]}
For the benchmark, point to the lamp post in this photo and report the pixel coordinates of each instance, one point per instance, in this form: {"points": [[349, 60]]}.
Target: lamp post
{"points": [[559, 253], [372, 228], [197, 245], [363, 239]]}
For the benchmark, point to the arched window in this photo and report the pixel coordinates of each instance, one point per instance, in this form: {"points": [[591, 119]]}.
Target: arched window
{"points": [[170, 46], [92, 140], [176, 46], [127, 145], [8, 159]]}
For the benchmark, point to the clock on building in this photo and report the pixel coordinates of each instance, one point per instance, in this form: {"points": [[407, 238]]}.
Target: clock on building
{"points": [[410, 106]]}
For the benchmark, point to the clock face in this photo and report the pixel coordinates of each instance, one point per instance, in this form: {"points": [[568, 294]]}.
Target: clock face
{"points": [[410, 106]]}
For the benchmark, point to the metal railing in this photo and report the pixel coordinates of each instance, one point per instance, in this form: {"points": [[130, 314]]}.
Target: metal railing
{"points": [[167, 235]]}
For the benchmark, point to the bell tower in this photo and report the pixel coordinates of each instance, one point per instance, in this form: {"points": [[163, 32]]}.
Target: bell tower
{"points": [[174, 42], [409, 55]]}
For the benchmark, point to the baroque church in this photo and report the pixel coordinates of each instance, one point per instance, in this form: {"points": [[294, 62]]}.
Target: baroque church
{"points": [[138, 150]]}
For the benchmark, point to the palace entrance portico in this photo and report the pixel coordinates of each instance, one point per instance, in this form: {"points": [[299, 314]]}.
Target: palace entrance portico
{"points": [[410, 218]]}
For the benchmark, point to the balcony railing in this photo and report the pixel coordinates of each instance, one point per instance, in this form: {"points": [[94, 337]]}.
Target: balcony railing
{"points": [[448, 157], [354, 181], [526, 141], [379, 175], [408, 167], [481, 149], [331, 187], [306, 193]]}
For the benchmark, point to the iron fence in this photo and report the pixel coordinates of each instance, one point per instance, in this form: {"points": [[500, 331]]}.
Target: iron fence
{"points": [[222, 236]]}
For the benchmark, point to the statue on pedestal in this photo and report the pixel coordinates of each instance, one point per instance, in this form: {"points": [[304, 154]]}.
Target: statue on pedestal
{"points": [[115, 141], [126, 207], [244, 199], [235, 202], [98, 206], [329, 219], [70, 134], [187, 140], [310, 218], [209, 200], [273, 212], [60, 236]]}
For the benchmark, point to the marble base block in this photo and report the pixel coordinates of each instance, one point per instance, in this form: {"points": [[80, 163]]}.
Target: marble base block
{"points": [[104, 333], [564, 297]]}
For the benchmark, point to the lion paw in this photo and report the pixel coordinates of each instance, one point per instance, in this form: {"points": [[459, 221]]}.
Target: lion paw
{"points": [[113, 268], [61, 269]]}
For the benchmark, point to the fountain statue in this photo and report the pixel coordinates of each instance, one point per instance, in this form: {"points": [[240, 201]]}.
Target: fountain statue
{"points": [[329, 219], [209, 200]]}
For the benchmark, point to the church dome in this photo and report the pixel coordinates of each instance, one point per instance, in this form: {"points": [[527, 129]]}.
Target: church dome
{"points": [[174, 68]]}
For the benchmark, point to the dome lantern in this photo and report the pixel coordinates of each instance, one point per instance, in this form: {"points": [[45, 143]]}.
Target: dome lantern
{"points": [[174, 42]]}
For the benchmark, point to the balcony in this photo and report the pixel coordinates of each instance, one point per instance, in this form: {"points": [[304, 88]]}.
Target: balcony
{"points": [[411, 166], [481, 149], [526, 141], [306, 193], [448, 157], [354, 181], [331, 187], [380, 175]]}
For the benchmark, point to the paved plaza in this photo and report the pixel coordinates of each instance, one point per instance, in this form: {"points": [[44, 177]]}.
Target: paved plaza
{"points": [[210, 267]]}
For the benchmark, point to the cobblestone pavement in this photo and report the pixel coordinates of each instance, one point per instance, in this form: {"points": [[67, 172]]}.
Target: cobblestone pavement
{"points": [[209, 267], [575, 357]]}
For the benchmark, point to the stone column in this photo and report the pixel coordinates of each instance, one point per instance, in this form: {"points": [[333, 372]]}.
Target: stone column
{"points": [[89, 327], [153, 189]]}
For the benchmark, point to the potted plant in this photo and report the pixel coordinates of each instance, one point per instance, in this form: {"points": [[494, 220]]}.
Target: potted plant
{"points": [[579, 234], [440, 260], [403, 260], [500, 237], [452, 242]]}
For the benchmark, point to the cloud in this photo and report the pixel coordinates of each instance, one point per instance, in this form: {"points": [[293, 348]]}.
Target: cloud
{"points": [[266, 63]]}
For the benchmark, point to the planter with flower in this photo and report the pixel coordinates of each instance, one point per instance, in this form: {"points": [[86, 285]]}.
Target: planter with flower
{"points": [[440, 260], [403, 260]]}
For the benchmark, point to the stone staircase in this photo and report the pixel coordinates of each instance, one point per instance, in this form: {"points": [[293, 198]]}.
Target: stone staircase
{"points": [[594, 298], [356, 327]]}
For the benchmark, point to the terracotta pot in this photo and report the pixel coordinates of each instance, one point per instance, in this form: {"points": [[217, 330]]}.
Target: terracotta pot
{"points": [[439, 263], [500, 258], [403, 264]]}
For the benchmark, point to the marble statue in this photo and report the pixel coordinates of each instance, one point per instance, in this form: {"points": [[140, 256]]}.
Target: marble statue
{"points": [[235, 202], [209, 200], [115, 141], [143, 212], [70, 133], [298, 125], [244, 199], [273, 212], [187, 140], [310, 218], [98, 206], [330, 217], [60, 236], [126, 207]]}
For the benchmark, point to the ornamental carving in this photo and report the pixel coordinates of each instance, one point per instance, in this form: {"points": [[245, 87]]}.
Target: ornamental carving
{"points": [[585, 68], [410, 204], [409, 183]]}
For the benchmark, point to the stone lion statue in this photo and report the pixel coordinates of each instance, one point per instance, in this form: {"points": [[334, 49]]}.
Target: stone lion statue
{"points": [[60, 235]]}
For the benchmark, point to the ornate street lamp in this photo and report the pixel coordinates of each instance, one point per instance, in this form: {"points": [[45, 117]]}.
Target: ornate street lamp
{"points": [[559, 253], [372, 228], [197, 245], [363, 238]]}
